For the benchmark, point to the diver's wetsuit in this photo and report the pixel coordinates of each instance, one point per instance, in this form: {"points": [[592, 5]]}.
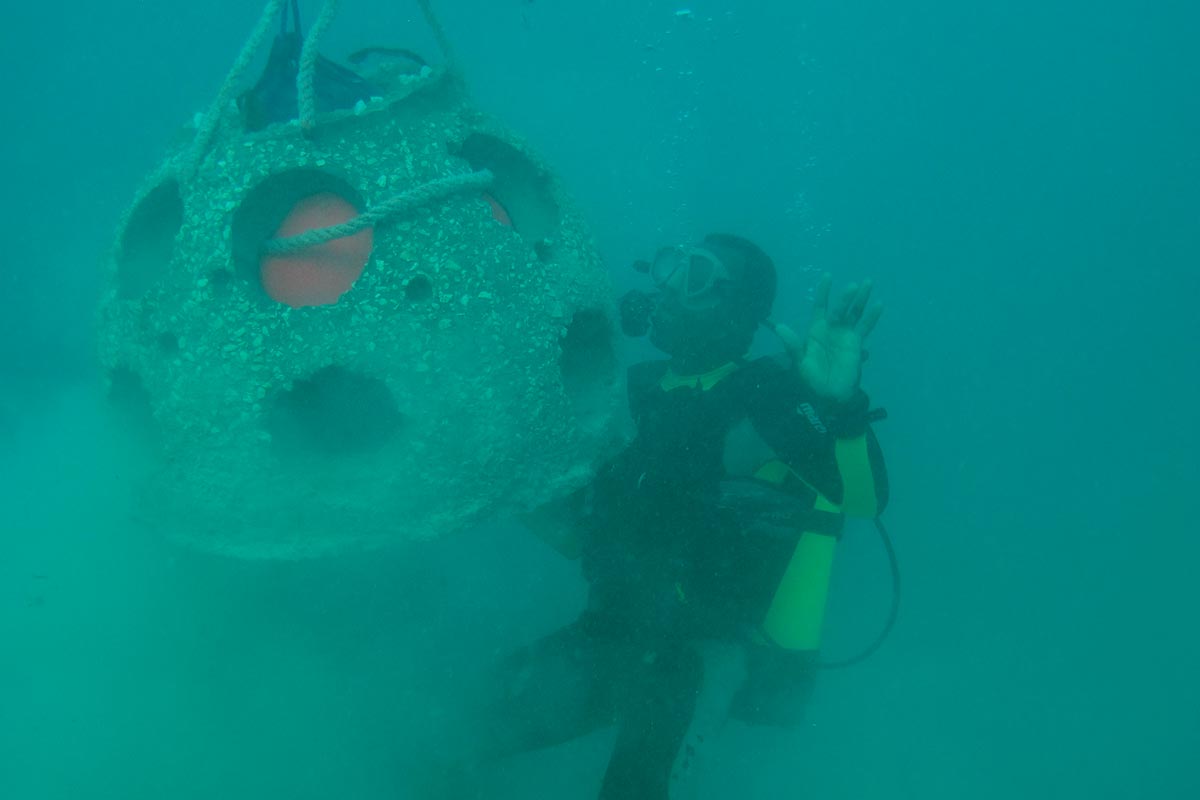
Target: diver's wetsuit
{"points": [[674, 553]]}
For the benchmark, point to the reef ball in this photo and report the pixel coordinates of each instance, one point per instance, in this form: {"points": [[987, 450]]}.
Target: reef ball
{"points": [[450, 361]]}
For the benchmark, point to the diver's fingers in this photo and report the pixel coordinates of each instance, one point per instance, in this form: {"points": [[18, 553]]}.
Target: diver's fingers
{"points": [[869, 319], [843, 304], [821, 297], [859, 302]]}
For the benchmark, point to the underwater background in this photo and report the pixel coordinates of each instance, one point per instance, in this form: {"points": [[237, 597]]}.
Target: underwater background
{"points": [[1022, 180]]}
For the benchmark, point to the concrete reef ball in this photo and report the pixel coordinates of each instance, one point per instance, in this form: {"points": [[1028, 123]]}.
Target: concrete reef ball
{"points": [[450, 363]]}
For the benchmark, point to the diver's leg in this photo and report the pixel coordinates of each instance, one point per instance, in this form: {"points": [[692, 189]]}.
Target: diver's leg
{"points": [[653, 720]]}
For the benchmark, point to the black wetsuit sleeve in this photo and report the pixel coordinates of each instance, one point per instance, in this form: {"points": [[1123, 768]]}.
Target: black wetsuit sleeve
{"points": [[803, 428]]}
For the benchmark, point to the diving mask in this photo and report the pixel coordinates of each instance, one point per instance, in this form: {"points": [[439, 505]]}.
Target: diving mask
{"points": [[690, 274]]}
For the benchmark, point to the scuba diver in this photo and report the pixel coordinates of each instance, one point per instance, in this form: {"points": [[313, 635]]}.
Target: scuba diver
{"points": [[716, 525]]}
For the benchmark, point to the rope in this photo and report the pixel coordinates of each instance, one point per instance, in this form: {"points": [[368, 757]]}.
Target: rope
{"points": [[403, 202], [305, 78], [208, 124], [439, 33], [893, 611]]}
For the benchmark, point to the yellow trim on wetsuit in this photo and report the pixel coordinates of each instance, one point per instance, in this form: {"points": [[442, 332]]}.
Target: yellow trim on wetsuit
{"points": [[704, 380], [773, 472], [797, 612], [858, 479], [778, 472]]}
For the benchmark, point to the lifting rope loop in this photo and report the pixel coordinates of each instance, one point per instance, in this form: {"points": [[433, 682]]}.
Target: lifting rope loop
{"points": [[403, 202], [305, 78]]}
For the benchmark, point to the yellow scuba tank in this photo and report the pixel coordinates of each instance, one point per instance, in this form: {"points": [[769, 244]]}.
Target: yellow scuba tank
{"points": [[797, 611]]}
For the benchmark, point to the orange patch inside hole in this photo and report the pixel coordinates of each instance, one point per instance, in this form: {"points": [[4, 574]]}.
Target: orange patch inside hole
{"points": [[319, 275]]}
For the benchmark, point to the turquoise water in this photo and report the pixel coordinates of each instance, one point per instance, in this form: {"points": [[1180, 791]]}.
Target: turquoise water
{"points": [[1021, 180]]}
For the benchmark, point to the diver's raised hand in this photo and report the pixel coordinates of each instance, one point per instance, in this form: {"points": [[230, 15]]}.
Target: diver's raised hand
{"points": [[831, 356]]}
